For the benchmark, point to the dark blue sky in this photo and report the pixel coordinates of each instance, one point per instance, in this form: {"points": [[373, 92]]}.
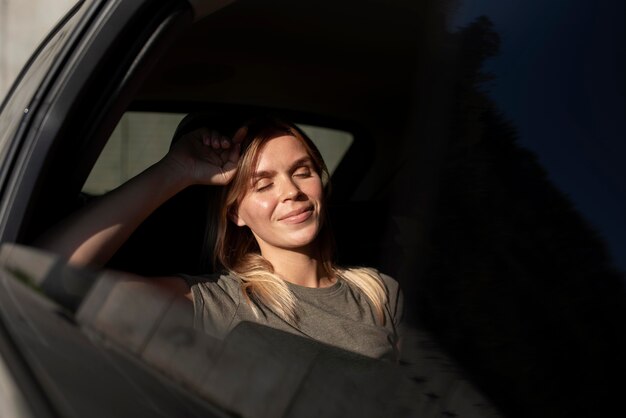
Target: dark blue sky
{"points": [[560, 78]]}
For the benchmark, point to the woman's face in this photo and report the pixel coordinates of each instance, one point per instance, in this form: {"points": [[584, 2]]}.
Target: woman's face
{"points": [[283, 204]]}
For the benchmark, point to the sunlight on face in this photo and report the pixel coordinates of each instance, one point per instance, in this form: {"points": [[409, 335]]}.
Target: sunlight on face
{"points": [[283, 204]]}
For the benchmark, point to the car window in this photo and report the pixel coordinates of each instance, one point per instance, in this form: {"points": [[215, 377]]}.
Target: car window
{"points": [[142, 138], [139, 140]]}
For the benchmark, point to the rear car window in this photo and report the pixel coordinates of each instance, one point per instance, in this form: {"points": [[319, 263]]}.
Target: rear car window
{"points": [[142, 138]]}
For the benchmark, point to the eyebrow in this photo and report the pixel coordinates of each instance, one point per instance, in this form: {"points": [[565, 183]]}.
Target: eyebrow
{"points": [[269, 173]]}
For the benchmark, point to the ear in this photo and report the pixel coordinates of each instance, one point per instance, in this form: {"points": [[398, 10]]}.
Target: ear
{"points": [[236, 219]]}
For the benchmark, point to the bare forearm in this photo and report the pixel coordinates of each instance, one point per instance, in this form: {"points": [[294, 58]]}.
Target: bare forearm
{"points": [[95, 233]]}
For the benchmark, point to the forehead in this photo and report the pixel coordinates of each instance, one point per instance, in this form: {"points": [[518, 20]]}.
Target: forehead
{"points": [[280, 151]]}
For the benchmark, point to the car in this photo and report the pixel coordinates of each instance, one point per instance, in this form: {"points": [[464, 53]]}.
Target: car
{"points": [[512, 298]]}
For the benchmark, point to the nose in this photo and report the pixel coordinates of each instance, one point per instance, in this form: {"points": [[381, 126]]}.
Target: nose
{"points": [[290, 190]]}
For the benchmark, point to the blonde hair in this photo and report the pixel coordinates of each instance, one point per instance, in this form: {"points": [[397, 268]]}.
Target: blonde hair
{"points": [[237, 251]]}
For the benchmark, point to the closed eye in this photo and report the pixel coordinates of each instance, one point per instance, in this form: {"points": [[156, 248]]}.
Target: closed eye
{"points": [[302, 172], [263, 184]]}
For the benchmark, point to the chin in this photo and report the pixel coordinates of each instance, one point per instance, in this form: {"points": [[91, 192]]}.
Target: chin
{"points": [[302, 240]]}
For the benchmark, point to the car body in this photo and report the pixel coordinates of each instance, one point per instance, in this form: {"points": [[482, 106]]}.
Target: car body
{"points": [[422, 191]]}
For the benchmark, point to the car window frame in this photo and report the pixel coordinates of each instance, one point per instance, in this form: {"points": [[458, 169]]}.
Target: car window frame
{"points": [[26, 91], [54, 119]]}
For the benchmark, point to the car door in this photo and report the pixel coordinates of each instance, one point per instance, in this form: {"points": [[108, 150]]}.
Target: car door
{"points": [[72, 93], [69, 94]]}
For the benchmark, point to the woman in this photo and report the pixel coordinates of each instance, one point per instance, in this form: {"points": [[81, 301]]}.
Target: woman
{"points": [[274, 243]]}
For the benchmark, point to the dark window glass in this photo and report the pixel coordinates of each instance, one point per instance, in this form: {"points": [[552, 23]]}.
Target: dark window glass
{"points": [[522, 277]]}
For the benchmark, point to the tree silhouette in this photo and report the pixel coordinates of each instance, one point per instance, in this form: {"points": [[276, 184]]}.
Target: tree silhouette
{"points": [[519, 288]]}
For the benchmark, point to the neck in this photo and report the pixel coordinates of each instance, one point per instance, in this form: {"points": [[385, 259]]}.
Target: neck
{"points": [[298, 267]]}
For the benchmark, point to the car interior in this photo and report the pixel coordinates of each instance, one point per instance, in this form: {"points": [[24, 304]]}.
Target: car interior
{"points": [[213, 67], [179, 236], [350, 87]]}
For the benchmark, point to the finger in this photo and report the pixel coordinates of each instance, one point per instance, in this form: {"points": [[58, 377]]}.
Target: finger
{"points": [[206, 138], [240, 135], [227, 174], [234, 154], [228, 171], [225, 142], [215, 140], [202, 134]]}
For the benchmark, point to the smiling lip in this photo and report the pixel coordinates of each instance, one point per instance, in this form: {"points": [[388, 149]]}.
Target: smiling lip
{"points": [[297, 216]]}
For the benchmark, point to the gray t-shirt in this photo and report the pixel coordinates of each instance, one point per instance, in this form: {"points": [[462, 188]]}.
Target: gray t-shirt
{"points": [[339, 315]]}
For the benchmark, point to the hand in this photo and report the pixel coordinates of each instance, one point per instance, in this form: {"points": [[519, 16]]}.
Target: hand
{"points": [[205, 156]]}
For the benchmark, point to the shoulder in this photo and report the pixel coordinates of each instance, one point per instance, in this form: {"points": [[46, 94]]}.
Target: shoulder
{"points": [[217, 299], [394, 299], [392, 287], [382, 290], [215, 285], [223, 278], [370, 277], [389, 283]]}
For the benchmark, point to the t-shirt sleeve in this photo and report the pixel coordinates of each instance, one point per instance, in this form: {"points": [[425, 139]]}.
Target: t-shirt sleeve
{"points": [[216, 300], [395, 299]]}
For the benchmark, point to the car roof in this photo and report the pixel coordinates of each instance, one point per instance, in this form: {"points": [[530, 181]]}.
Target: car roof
{"points": [[339, 59]]}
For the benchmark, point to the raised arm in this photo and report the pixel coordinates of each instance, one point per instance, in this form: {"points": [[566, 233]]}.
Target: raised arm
{"points": [[91, 236]]}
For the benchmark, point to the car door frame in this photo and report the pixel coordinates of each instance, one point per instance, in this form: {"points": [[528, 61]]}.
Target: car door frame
{"points": [[75, 108]]}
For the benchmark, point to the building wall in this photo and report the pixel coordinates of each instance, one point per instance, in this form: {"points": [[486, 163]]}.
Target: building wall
{"points": [[23, 25]]}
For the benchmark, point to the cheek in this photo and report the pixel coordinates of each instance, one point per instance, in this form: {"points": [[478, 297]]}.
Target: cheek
{"points": [[262, 204], [315, 190], [256, 209]]}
